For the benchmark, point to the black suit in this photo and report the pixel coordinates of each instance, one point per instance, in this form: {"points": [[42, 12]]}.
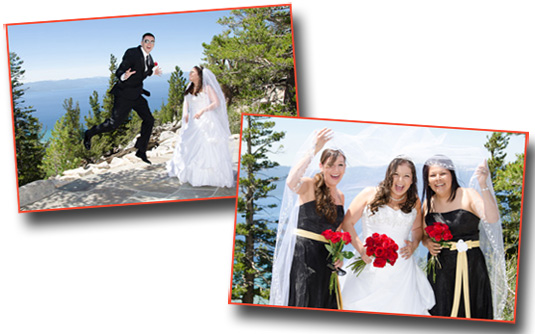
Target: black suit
{"points": [[128, 96]]}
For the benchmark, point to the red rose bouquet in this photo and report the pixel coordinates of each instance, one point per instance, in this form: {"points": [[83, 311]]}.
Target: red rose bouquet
{"points": [[382, 248], [335, 244], [439, 233]]}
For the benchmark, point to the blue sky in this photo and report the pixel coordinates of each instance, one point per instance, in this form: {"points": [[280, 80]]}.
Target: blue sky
{"points": [[387, 140], [82, 48]]}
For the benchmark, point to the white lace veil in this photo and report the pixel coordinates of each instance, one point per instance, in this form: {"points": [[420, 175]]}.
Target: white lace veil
{"points": [[376, 146], [490, 237], [209, 79]]}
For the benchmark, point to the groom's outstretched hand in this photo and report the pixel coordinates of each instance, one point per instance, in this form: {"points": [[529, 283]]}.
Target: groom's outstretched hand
{"points": [[127, 74]]}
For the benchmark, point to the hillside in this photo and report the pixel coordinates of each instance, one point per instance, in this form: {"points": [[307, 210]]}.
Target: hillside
{"points": [[121, 179]]}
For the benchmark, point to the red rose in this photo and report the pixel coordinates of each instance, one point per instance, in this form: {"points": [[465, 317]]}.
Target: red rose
{"points": [[155, 64], [391, 257], [379, 252], [328, 234], [379, 262], [438, 232], [346, 237], [337, 236]]}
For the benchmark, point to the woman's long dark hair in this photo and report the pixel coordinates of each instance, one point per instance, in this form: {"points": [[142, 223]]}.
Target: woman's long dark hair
{"points": [[382, 197], [324, 202], [445, 162], [192, 89]]}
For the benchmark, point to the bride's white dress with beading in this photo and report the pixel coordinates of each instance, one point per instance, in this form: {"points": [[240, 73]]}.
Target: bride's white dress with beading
{"points": [[202, 156], [402, 288]]}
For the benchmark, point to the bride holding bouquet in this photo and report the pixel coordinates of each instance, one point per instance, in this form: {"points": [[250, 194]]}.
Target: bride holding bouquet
{"points": [[392, 209]]}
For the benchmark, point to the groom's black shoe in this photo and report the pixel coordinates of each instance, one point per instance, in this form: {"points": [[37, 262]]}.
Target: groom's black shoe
{"points": [[87, 140], [143, 156]]}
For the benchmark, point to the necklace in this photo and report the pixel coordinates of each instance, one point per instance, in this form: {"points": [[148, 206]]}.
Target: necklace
{"points": [[398, 199]]}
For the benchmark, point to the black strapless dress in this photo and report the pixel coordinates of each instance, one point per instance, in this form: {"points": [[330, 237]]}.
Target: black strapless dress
{"points": [[309, 276], [463, 225]]}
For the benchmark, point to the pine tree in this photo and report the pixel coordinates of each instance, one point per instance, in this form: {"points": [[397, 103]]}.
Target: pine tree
{"points": [[110, 141], [507, 179], [253, 59], [64, 149], [175, 98], [496, 144], [508, 184], [28, 138], [255, 240]]}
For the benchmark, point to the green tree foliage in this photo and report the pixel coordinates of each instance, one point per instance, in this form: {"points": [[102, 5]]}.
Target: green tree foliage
{"points": [[95, 117], [253, 59], [29, 148], [172, 110], [108, 143], [255, 241], [64, 149], [496, 144], [508, 181]]}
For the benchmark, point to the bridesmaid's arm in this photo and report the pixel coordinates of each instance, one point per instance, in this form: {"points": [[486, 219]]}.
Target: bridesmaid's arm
{"points": [[343, 199], [432, 247], [295, 177], [485, 205], [340, 263]]}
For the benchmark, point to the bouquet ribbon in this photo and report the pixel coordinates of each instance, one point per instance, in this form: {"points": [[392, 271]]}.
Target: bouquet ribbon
{"points": [[461, 275], [321, 238]]}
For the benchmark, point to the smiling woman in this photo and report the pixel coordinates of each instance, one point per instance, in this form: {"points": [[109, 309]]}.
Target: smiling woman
{"points": [[393, 209], [302, 274], [470, 255]]}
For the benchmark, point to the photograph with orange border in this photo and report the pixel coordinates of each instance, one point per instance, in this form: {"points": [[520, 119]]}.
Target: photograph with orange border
{"points": [[143, 108], [369, 217]]}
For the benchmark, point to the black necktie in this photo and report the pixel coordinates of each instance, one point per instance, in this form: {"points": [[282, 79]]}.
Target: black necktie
{"points": [[148, 63]]}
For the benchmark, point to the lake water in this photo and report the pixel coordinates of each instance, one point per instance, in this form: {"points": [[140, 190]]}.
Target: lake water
{"points": [[47, 97]]}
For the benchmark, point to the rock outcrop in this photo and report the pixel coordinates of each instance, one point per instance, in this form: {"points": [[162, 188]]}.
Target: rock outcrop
{"points": [[122, 179]]}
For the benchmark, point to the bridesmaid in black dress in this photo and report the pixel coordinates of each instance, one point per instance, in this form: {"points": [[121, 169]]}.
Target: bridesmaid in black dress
{"points": [[461, 209], [320, 208]]}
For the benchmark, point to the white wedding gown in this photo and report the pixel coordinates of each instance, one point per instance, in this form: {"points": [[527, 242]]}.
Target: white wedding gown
{"points": [[202, 156], [402, 288]]}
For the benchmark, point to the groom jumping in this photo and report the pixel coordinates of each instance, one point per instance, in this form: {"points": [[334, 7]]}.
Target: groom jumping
{"points": [[137, 64]]}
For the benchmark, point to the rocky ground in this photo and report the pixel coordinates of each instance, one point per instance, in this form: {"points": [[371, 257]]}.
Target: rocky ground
{"points": [[121, 180]]}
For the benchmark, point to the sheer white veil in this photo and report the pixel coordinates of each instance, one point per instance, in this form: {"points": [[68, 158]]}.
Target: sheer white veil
{"points": [[376, 146], [491, 243], [209, 79], [284, 248]]}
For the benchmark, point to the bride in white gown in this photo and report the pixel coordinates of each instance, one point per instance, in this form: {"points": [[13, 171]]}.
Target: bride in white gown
{"points": [[202, 156], [392, 208]]}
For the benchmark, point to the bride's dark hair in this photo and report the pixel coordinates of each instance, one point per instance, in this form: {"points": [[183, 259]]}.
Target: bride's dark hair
{"points": [[192, 89], [324, 202], [382, 197]]}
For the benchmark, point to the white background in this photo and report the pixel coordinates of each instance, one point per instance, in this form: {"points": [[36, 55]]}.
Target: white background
{"points": [[166, 268]]}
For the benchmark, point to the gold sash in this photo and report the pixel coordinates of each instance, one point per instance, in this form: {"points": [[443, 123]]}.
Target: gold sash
{"points": [[310, 235], [461, 275], [321, 238]]}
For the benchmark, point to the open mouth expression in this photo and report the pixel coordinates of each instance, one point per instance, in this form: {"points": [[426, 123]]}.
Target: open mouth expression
{"points": [[401, 180], [333, 173]]}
